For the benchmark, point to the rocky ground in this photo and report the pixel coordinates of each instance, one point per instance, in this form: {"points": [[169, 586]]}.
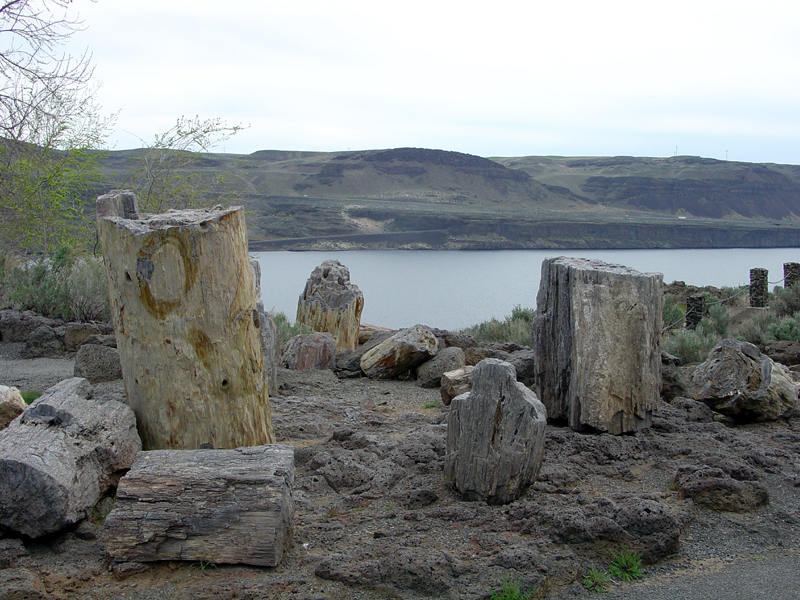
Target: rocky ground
{"points": [[375, 519]]}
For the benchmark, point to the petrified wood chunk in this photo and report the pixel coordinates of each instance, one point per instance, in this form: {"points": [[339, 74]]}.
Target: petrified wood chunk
{"points": [[495, 436], [11, 405], [309, 351], [57, 458], [596, 341], [188, 330], [739, 381], [399, 353], [218, 506], [330, 303]]}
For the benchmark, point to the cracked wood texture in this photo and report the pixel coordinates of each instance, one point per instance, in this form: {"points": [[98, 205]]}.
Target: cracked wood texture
{"points": [[216, 506], [596, 342], [188, 330]]}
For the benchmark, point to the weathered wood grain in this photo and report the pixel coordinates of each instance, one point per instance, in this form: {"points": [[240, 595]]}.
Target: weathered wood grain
{"points": [[218, 506]]}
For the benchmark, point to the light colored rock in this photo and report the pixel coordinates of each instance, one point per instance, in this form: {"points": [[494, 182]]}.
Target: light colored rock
{"points": [[217, 506], [330, 303], [429, 374], [188, 330], [739, 381], [399, 353], [58, 457], [495, 436], [455, 383], [596, 342], [309, 351], [98, 363], [365, 331], [11, 405]]}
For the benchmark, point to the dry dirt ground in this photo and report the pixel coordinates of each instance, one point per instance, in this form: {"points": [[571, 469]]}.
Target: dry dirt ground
{"points": [[375, 519]]}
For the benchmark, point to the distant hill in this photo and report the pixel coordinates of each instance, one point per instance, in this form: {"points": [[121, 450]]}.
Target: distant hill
{"points": [[423, 198]]}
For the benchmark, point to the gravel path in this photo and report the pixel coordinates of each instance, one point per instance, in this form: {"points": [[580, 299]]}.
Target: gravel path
{"points": [[32, 375]]}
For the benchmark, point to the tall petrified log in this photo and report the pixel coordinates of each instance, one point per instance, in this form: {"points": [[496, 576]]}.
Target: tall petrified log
{"points": [[330, 303], [184, 308], [58, 457], [596, 341]]}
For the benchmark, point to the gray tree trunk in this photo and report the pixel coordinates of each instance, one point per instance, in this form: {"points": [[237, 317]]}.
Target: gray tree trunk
{"points": [[188, 331], [57, 458], [217, 506]]}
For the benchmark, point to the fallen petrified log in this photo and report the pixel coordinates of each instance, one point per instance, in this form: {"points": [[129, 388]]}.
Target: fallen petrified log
{"points": [[596, 343], [188, 330], [739, 381], [495, 436], [58, 457], [218, 506], [399, 353]]}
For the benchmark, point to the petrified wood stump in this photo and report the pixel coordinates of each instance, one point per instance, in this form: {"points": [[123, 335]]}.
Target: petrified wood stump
{"points": [[58, 457], [330, 303], [495, 436], [596, 343], [217, 506], [182, 297]]}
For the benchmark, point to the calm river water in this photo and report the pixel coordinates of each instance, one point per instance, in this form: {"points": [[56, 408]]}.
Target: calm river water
{"points": [[454, 289]]}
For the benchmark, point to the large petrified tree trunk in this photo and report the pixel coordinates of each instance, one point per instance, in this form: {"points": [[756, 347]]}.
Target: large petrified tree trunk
{"points": [[596, 341], [58, 457], [217, 506], [184, 308], [330, 303]]}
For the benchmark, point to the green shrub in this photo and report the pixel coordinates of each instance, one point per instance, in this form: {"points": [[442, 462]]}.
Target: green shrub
{"points": [[756, 330], [786, 301], [29, 397], [41, 286], [672, 314], [287, 330], [515, 328], [788, 328], [690, 346], [88, 290], [718, 320]]}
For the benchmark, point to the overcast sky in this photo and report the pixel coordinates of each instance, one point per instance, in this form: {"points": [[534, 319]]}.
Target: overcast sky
{"points": [[494, 78]]}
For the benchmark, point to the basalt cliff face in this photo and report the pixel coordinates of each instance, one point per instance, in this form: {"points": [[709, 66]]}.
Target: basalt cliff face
{"points": [[423, 198]]}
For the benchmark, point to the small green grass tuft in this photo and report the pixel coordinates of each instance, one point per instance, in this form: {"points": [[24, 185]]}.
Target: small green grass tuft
{"points": [[626, 565], [29, 397], [596, 581], [511, 591], [433, 404]]}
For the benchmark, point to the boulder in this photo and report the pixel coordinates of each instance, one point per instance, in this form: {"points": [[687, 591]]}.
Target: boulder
{"points": [[11, 405], [429, 374], [399, 353], [784, 351], [75, 334], [495, 436], [455, 383], [60, 455], [674, 382], [309, 351], [596, 339], [103, 339], [524, 363], [98, 363], [22, 584], [475, 354], [16, 326], [330, 303], [217, 506], [43, 343], [715, 489], [739, 381]]}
